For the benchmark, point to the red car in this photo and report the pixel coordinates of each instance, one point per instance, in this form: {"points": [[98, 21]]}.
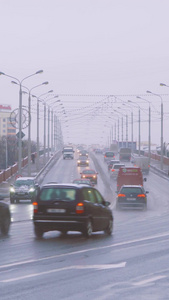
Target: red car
{"points": [[89, 174]]}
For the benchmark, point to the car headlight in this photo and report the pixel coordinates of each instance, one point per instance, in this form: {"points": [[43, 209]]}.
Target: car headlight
{"points": [[78, 161], [83, 176], [94, 176], [87, 161], [31, 189], [12, 190]]}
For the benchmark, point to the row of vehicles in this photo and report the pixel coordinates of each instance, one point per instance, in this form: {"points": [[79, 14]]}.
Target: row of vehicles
{"points": [[130, 190]]}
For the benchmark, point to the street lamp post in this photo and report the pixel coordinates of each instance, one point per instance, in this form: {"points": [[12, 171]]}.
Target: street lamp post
{"points": [[139, 126], [162, 154], [20, 115], [29, 127], [43, 101], [149, 129]]}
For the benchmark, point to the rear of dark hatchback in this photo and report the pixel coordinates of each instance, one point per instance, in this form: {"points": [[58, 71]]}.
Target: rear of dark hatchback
{"points": [[71, 208]]}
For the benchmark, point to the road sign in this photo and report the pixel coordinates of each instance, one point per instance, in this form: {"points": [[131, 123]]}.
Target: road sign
{"points": [[22, 135]]}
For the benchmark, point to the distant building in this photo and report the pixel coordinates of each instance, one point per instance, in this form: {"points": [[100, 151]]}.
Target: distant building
{"points": [[6, 127]]}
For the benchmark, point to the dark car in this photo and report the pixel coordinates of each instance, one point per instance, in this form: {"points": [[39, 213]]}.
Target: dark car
{"points": [[82, 181], [83, 161], [23, 188], [71, 207], [111, 163], [132, 196], [89, 174], [83, 153], [5, 218]]}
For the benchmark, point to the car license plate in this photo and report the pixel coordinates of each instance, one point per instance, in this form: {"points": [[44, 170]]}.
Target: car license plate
{"points": [[56, 210], [131, 199]]}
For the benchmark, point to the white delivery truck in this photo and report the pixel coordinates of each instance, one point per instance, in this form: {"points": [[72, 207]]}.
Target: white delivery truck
{"points": [[68, 152], [143, 163]]}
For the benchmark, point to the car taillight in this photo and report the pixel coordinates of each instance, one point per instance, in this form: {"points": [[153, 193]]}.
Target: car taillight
{"points": [[79, 208], [94, 176], [35, 206], [141, 195], [112, 170], [121, 195], [105, 156]]}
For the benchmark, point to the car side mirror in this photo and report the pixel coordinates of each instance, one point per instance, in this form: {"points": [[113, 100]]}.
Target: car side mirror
{"points": [[145, 179], [107, 203], [147, 192]]}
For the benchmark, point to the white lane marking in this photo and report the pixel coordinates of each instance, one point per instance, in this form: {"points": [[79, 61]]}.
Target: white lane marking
{"points": [[153, 279], [85, 250], [80, 267]]}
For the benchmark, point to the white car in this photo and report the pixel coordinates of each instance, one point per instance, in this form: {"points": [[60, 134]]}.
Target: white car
{"points": [[115, 169]]}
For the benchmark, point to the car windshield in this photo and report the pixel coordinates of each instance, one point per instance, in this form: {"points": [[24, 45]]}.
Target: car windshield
{"points": [[24, 182], [88, 172], [60, 194], [83, 157], [131, 190]]}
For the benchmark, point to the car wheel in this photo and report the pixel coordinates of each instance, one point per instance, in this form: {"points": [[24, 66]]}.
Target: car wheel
{"points": [[109, 229], [88, 229], [38, 232], [5, 225], [63, 232]]}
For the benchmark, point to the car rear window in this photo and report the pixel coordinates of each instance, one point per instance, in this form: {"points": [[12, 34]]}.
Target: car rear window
{"points": [[60, 194], [133, 190], [117, 166], [109, 154]]}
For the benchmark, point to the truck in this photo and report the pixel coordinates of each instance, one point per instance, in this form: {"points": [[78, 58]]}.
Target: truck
{"points": [[143, 163], [68, 152], [129, 176], [125, 154]]}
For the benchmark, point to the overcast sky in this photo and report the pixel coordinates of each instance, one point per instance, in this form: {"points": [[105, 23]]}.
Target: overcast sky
{"points": [[89, 49]]}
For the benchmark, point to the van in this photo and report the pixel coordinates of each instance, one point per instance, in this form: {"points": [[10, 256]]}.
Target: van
{"points": [[130, 176]]}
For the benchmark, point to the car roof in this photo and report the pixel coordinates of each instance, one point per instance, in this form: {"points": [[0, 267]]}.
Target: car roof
{"points": [[132, 186], [63, 185], [89, 170]]}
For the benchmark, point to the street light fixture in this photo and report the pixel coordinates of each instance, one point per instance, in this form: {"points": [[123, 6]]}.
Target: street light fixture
{"points": [[163, 84], [149, 92], [20, 114]]}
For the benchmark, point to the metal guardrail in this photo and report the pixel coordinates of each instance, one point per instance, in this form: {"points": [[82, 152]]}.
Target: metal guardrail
{"points": [[40, 176]]}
